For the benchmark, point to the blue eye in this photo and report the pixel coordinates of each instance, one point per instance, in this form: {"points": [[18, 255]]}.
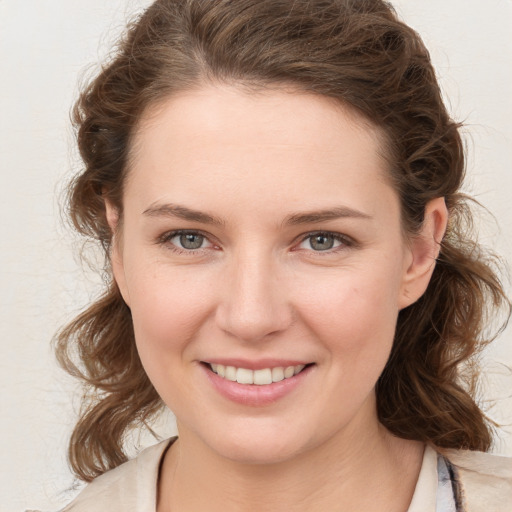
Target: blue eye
{"points": [[319, 242]]}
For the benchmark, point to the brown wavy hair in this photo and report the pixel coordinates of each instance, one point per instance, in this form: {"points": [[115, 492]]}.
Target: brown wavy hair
{"points": [[359, 53]]}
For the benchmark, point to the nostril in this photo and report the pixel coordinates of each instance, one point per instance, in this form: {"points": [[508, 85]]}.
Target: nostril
{"points": [[251, 306]]}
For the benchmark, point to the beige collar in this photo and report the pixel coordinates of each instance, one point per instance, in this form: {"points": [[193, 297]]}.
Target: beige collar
{"points": [[132, 487]]}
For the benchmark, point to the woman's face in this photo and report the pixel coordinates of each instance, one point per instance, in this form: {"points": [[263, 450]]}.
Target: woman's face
{"points": [[260, 234]]}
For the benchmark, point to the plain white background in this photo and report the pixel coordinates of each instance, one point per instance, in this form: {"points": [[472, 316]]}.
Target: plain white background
{"points": [[45, 46]]}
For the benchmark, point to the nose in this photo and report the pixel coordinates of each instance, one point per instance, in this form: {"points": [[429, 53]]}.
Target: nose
{"points": [[254, 305]]}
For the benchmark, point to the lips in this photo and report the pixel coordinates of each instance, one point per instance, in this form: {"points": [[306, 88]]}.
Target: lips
{"points": [[264, 384]]}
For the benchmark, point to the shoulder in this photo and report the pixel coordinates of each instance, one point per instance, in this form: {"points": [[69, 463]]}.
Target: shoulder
{"points": [[485, 479], [129, 487]]}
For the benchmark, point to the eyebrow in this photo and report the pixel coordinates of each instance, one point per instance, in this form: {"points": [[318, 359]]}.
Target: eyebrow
{"points": [[182, 212], [325, 215]]}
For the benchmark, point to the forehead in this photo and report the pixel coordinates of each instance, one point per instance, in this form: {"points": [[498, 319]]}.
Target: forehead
{"points": [[280, 114], [281, 144]]}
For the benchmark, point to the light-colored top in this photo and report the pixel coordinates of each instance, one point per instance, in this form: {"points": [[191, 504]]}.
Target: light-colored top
{"points": [[485, 480], [454, 481]]}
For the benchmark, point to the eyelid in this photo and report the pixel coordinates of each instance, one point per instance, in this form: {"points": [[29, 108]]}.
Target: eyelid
{"points": [[165, 238], [346, 241]]}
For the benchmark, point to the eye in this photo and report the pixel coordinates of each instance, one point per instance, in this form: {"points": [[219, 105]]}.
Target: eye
{"points": [[324, 241], [186, 240]]}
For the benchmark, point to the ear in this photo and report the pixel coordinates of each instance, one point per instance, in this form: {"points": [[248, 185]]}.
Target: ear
{"points": [[116, 250], [424, 249]]}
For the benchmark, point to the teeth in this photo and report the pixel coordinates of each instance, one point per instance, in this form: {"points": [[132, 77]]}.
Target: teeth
{"points": [[262, 377], [259, 377], [277, 374], [230, 373], [244, 376], [289, 371]]}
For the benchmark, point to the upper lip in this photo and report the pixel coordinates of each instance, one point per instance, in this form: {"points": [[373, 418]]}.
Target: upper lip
{"points": [[259, 364]]}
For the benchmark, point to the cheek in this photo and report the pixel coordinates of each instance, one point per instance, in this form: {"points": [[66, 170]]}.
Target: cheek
{"points": [[167, 308], [353, 313]]}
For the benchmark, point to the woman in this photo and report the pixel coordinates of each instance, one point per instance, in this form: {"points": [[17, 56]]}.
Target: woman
{"points": [[276, 185]]}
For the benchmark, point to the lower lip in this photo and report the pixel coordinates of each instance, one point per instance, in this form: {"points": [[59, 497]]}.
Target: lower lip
{"points": [[252, 394]]}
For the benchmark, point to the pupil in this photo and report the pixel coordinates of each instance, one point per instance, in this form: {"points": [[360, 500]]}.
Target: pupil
{"points": [[191, 241], [322, 242]]}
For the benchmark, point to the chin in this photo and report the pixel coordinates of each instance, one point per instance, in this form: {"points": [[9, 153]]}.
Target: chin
{"points": [[258, 453], [257, 445]]}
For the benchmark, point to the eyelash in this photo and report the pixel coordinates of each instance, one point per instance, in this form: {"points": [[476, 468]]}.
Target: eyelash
{"points": [[167, 237], [344, 240]]}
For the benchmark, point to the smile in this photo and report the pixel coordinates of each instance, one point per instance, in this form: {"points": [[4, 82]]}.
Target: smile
{"points": [[262, 377]]}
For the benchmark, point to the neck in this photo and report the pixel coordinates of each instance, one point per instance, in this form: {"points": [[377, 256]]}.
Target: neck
{"points": [[365, 469]]}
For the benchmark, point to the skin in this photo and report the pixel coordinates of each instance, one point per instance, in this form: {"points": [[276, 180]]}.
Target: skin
{"points": [[257, 288]]}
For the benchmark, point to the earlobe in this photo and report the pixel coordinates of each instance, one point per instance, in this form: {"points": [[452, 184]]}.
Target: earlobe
{"points": [[424, 250], [116, 253]]}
